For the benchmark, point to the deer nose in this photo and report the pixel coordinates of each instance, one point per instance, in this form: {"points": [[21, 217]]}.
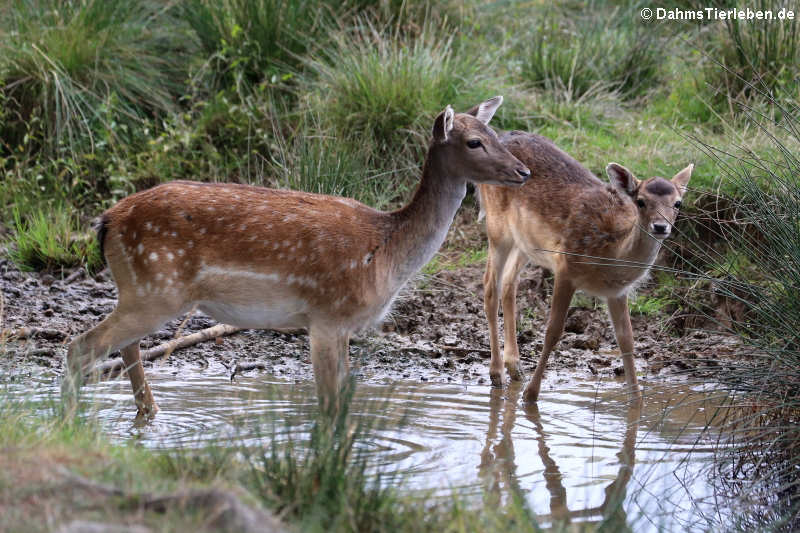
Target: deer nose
{"points": [[524, 173], [660, 229]]}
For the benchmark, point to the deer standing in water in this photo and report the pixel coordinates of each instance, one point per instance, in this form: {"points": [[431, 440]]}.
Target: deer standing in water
{"points": [[264, 258], [597, 237]]}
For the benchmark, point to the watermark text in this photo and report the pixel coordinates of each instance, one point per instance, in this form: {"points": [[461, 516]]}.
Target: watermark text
{"points": [[714, 13]]}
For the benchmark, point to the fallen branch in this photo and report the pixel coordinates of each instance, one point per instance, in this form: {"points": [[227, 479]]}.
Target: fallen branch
{"points": [[114, 367], [225, 510], [40, 333], [180, 329]]}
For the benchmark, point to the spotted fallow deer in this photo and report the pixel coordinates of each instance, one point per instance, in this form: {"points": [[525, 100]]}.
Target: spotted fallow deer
{"points": [[593, 236], [264, 258]]}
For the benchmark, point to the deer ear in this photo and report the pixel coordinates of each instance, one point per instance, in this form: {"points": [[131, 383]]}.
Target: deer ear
{"points": [[681, 179], [486, 110], [622, 178], [443, 125]]}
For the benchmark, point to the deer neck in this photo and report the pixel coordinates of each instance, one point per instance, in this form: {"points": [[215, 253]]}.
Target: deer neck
{"points": [[639, 247], [420, 227]]}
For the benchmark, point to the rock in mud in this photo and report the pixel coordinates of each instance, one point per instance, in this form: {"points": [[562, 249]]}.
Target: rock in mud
{"points": [[578, 320]]}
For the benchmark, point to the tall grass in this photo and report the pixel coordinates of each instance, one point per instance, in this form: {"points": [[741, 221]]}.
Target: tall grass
{"points": [[764, 459], [253, 41], [382, 89], [315, 161], [578, 56], [68, 69], [324, 484], [757, 57]]}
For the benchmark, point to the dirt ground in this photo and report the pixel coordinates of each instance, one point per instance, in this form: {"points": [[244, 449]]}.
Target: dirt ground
{"points": [[436, 332]]}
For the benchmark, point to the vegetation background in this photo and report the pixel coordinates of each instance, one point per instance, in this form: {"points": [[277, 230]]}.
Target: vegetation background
{"points": [[101, 98]]}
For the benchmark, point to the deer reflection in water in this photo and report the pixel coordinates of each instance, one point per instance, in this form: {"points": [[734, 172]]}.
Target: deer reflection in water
{"points": [[498, 464]]}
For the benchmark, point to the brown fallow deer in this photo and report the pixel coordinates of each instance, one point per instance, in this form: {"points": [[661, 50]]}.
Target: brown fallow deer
{"points": [[593, 236], [264, 258]]}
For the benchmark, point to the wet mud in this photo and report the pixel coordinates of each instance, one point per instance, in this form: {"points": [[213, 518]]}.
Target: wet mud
{"points": [[436, 331]]}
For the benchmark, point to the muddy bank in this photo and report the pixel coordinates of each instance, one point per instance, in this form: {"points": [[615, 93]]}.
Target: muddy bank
{"points": [[436, 331]]}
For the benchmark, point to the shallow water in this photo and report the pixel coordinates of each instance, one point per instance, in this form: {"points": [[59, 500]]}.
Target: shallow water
{"points": [[571, 457]]}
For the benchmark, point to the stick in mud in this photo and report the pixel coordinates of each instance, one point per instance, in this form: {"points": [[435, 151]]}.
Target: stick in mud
{"points": [[114, 367]]}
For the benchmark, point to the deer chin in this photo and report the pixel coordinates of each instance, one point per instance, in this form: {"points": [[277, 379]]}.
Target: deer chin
{"points": [[513, 183]]}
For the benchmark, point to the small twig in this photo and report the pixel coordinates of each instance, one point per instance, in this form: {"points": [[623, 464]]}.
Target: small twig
{"points": [[114, 367], [74, 276], [249, 365], [464, 350]]}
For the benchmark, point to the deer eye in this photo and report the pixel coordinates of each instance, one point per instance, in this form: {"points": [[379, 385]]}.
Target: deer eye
{"points": [[640, 203], [678, 204], [473, 143]]}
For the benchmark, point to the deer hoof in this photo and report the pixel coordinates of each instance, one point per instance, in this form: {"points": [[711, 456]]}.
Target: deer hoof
{"points": [[530, 395], [497, 379], [514, 372], [146, 412]]}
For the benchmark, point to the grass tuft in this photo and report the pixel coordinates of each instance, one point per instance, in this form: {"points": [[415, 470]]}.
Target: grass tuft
{"points": [[51, 239]]}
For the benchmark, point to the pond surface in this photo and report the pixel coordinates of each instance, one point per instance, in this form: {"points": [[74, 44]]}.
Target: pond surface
{"points": [[572, 457]]}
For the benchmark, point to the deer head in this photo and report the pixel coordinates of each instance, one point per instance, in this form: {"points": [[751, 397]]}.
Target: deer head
{"points": [[471, 148], [657, 199]]}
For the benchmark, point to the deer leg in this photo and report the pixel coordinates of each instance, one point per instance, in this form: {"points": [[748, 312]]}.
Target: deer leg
{"points": [[329, 357], [621, 318], [123, 327], [516, 262], [562, 295], [491, 289], [142, 395]]}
